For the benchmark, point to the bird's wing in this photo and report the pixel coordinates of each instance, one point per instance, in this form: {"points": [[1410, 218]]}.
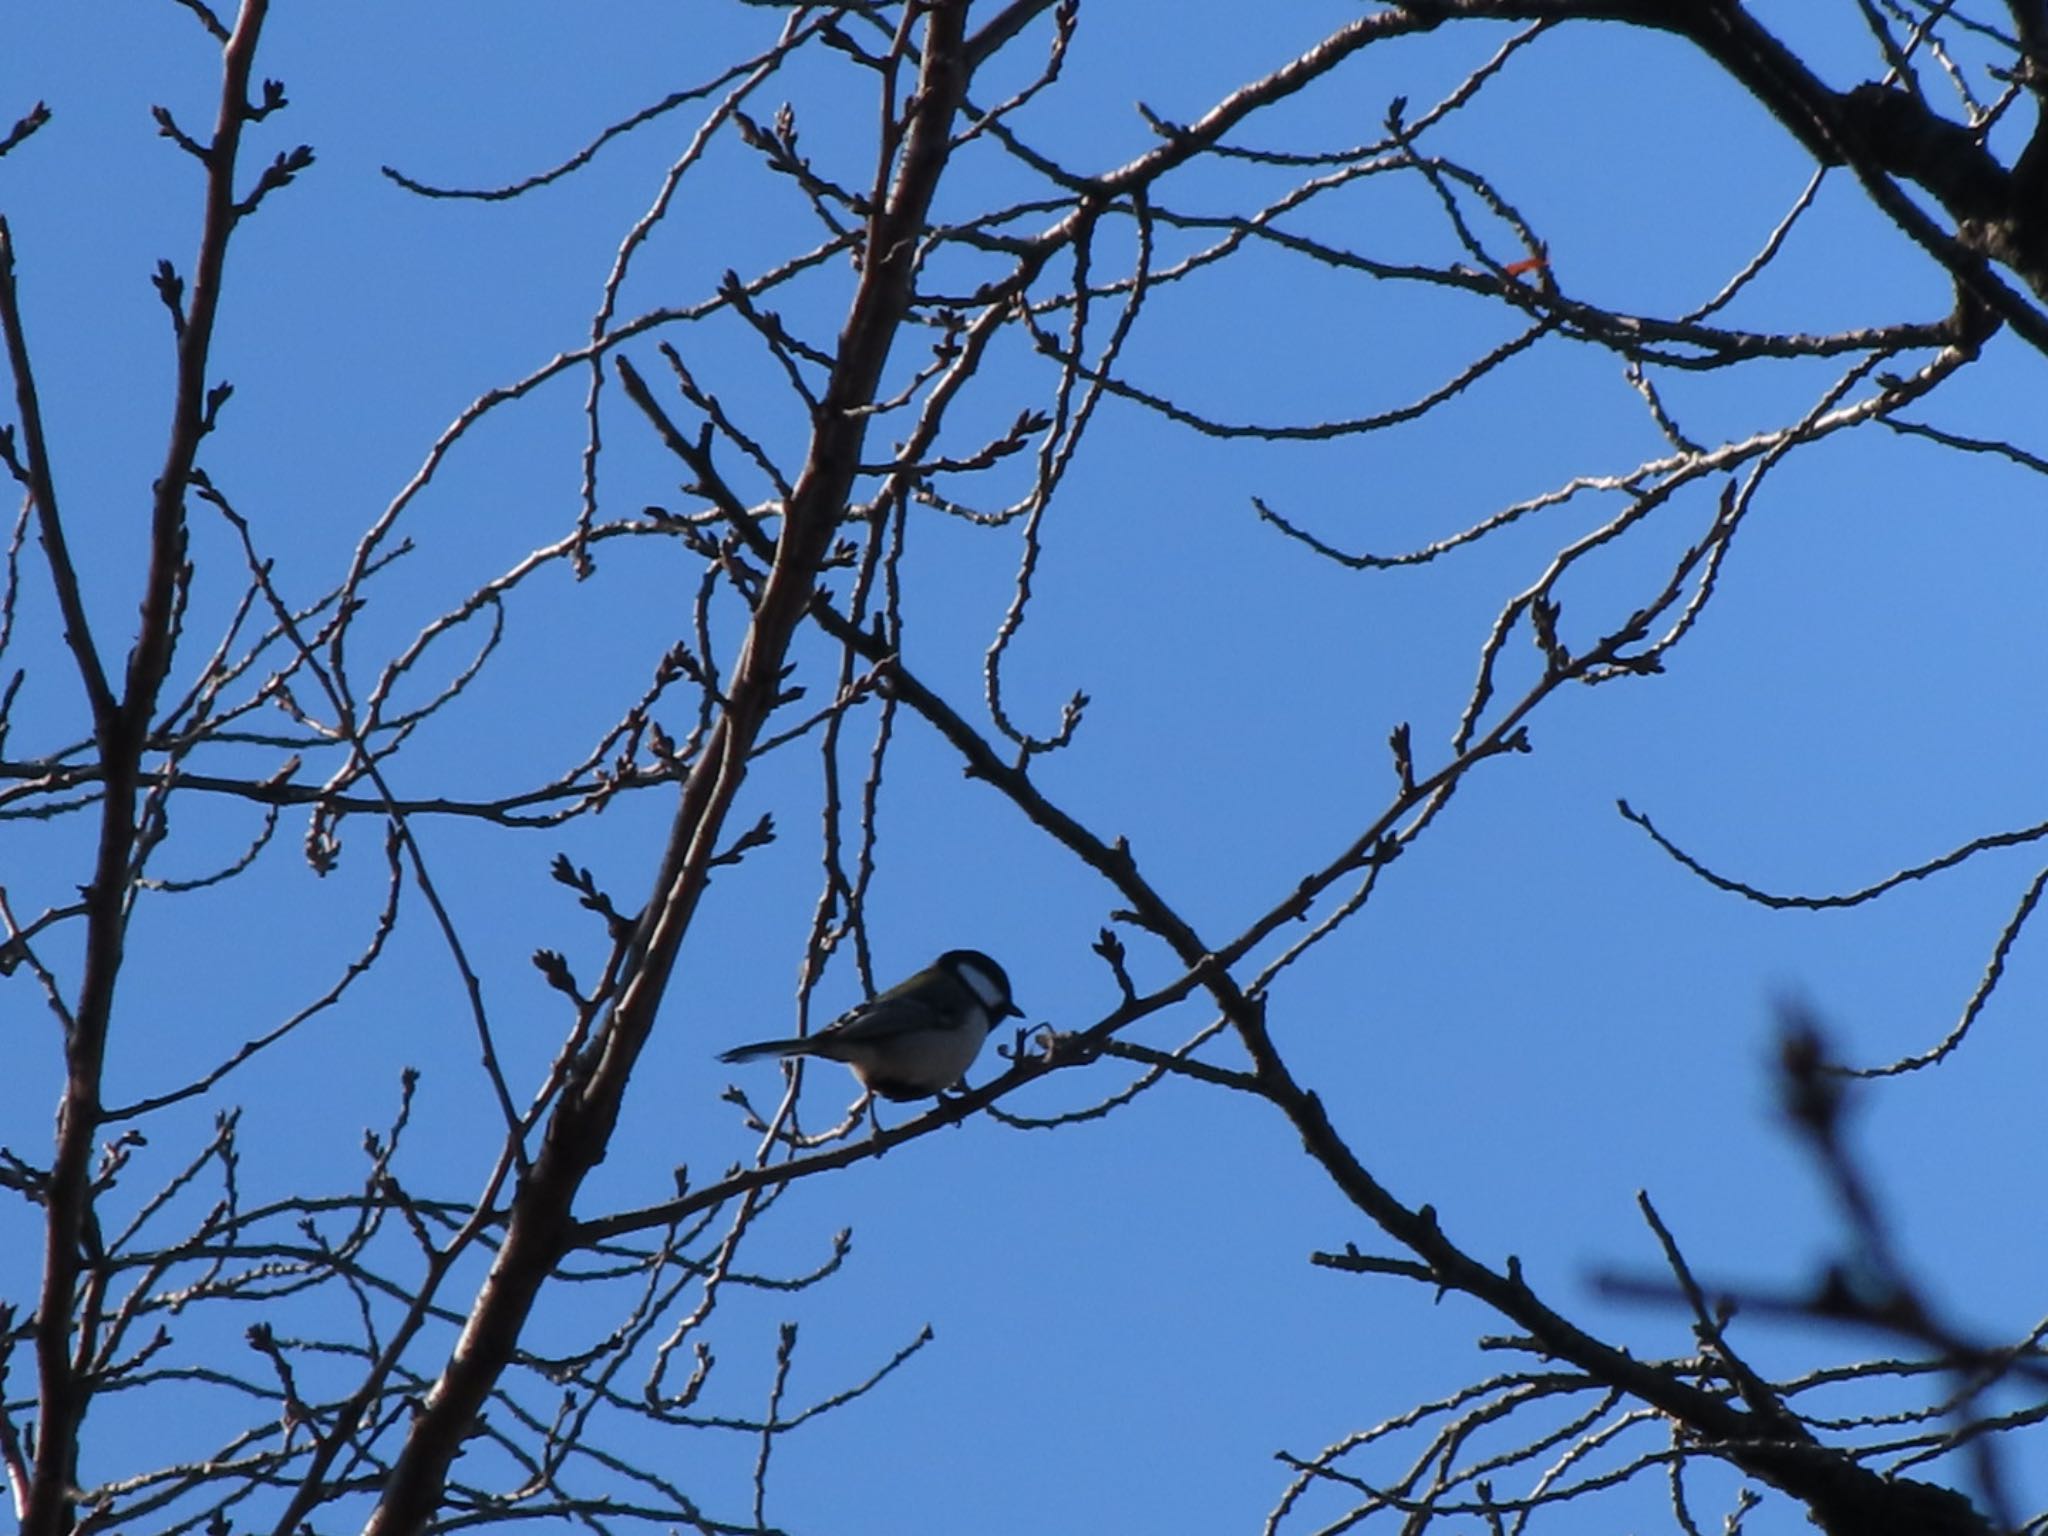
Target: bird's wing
{"points": [[887, 1016]]}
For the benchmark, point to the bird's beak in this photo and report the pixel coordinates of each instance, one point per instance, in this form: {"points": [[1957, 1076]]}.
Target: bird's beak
{"points": [[1011, 1011]]}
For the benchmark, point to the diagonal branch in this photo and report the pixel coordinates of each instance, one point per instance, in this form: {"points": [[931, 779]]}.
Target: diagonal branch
{"points": [[42, 489], [579, 1131]]}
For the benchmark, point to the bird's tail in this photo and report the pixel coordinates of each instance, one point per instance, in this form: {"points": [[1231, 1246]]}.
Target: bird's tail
{"points": [[762, 1048]]}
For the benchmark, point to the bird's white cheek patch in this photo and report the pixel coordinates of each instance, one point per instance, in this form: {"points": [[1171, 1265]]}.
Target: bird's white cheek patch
{"points": [[982, 985]]}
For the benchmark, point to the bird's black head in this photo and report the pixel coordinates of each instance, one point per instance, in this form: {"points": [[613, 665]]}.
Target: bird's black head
{"points": [[988, 980]]}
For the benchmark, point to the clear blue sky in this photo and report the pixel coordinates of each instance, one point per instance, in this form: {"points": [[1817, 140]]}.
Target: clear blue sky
{"points": [[1538, 1016]]}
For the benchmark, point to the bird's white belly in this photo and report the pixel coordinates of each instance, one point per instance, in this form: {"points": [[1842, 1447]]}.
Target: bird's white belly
{"points": [[916, 1063]]}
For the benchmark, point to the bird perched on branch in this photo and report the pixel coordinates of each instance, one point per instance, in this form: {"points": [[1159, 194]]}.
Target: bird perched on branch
{"points": [[918, 1038]]}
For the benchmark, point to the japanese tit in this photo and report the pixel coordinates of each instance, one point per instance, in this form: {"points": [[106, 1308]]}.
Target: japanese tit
{"points": [[918, 1038]]}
